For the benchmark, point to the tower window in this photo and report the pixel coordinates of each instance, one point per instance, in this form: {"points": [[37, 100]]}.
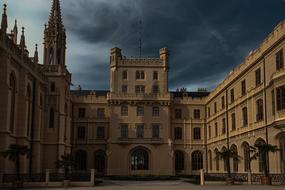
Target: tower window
{"points": [[125, 75], [155, 75], [178, 113], [243, 88], [140, 131], [81, 112], [100, 132], [140, 75], [197, 114], [258, 77], [52, 87], [197, 133], [124, 131], [81, 133]]}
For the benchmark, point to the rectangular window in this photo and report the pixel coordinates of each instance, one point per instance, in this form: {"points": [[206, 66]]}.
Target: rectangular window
{"points": [[100, 132], [224, 126], [155, 75], [140, 75], [178, 114], [233, 121], [81, 133], [155, 111], [124, 110], [258, 77], [223, 102], [125, 75], [155, 89], [52, 87], [280, 98], [197, 133], [232, 95], [197, 114], [124, 131], [155, 131], [124, 88], [210, 132], [279, 60], [81, 112], [101, 113], [139, 89], [215, 107], [140, 111], [243, 88], [140, 131], [216, 129], [244, 116]]}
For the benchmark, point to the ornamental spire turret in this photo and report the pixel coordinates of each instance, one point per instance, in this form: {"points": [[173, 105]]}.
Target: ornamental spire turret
{"points": [[15, 33], [23, 40], [36, 55], [4, 22]]}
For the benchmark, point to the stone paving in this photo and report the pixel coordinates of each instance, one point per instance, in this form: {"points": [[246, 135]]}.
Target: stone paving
{"points": [[168, 185]]}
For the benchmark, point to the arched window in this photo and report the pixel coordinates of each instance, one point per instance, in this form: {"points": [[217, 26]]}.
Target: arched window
{"points": [[178, 133], [225, 162], [197, 160], [262, 155], [139, 160], [210, 160], [179, 161], [282, 152], [217, 160], [13, 100], [29, 102], [259, 110], [81, 160], [51, 118], [244, 116], [246, 156], [100, 161], [235, 158]]}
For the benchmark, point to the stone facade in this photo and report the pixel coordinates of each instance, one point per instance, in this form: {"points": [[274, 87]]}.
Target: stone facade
{"points": [[138, 127]]}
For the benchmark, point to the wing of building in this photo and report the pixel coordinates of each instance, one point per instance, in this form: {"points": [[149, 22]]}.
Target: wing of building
{"points": [[139, 127]]}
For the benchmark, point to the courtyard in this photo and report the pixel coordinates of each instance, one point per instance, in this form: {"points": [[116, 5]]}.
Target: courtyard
{"points": [[167, 185]]}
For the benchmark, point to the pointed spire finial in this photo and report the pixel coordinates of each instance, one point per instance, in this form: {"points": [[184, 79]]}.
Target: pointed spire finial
{"points": [[4, 22], [15, 32], [36, 55], [55, 19], [23, 41]]}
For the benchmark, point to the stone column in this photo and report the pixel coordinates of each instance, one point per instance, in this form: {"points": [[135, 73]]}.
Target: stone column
{"points": [[92, 177], [47, 177], [202, 179], [249, 178]]}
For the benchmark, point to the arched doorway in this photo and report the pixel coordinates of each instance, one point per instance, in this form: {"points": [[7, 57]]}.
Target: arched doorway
{"points": [[197, 160], [235, 158], [179, 161], [139, 159], [282, 152], [81, 160], [100, 162], [262, 160]]}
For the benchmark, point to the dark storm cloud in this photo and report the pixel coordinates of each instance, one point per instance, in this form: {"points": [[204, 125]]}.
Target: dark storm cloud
{"points": [[206, 38]]}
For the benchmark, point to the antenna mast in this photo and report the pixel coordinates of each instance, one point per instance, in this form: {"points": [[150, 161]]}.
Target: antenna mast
{"points": [[140, 38]]}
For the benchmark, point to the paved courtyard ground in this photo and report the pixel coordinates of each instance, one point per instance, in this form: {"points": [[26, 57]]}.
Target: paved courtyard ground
{"points": [[168, 185]]}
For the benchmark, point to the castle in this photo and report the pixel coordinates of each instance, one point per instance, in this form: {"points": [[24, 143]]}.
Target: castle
{"points": [[138, 127]]}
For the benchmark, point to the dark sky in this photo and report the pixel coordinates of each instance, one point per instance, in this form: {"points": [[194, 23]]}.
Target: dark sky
{"points": [[206, 38]]}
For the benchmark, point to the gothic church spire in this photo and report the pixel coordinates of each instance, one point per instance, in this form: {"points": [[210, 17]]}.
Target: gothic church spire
{"points": [[55, 37]]}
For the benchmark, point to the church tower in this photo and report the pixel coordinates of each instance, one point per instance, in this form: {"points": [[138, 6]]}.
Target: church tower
{"points": [[58, 130], [54, 37]]}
